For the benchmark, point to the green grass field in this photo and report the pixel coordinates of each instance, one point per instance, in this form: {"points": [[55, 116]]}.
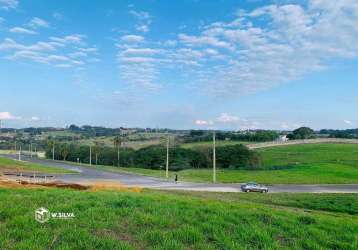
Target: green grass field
{"points": [[12, 165], [343, 154], [164, 220], [296, 164]]}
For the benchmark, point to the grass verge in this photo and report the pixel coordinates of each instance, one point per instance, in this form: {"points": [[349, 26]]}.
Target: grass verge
{"points": [[18, 166], [159, 220]]}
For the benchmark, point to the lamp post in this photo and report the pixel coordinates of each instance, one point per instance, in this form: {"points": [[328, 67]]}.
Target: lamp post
{"points": [[20, 154], [90, 159], [53, 151], [214, 159], [167, 162]]}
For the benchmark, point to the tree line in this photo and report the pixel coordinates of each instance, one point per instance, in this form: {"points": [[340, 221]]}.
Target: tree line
{"points": [[251, 136], [154, 157], [347, 133]]}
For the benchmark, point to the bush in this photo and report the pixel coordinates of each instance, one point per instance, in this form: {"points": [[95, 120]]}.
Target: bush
{"points": [[237, 157], [302, 133]]}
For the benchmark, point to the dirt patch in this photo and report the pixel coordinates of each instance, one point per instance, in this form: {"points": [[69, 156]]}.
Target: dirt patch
{"points": [[16, 184], [13, 184], [5, 183], [98, 186]]}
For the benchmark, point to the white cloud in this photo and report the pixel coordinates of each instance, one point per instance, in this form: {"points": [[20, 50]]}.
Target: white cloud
{"points": [[170, 43], [203, 122], [88, 49], [10, 44], [142, 28], [8, 4], [35, 118], [140, 51], [132, 38], [140, 73], [227, 118], [144, 20], [142, 15], [63, 65], [257, 50], [38, 23], [137, 59], [348, 122], [71, 39], [204, 40], [296, 40], [212, 52], [46, 52], [7, 116], [21, 30]]}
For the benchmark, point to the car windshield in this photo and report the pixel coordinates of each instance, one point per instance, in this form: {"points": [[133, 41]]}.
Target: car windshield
{"points": [[251, 183]]}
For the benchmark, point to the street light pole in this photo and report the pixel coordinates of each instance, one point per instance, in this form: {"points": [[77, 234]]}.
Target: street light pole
{"points": [[214, 159], [90, 160], [53, 151], [20, 154], [167, 163]]}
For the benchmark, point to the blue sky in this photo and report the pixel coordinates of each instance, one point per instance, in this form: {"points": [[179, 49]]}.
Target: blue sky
{"points": [[179, 64]]}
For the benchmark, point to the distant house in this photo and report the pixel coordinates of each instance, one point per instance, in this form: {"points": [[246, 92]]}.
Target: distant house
{"points": [[282, 138]]}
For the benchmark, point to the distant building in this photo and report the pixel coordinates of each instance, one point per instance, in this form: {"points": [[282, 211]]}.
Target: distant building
{"points": [[282, 138]]}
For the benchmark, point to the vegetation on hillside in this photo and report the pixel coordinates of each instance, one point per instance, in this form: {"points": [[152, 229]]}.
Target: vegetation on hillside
{"points": [[335, 133], [302, 133], [154, 157], [249, 136]]}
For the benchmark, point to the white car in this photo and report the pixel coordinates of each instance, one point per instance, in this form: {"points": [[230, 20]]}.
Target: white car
{"points": [[254, 187]]}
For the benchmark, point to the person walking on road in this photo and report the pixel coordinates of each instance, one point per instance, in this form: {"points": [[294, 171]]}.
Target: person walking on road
{"points": [[176, 178]]}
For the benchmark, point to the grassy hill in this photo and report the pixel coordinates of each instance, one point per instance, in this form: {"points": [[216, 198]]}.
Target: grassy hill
{"points": [[344, 154], [164, 220]]}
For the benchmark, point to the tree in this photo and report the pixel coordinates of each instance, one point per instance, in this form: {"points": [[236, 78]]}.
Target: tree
{"points": [[194, 133], [302, 133], [74, 128], [97, 150], [51, 146], [117, 141], [64, 152], [238, 157]]}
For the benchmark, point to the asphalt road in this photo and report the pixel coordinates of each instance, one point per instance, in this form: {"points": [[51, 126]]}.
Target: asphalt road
{"points": [[87, 175]]}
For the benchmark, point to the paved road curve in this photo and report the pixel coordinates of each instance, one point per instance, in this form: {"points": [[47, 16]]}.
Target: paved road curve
{"points": [[87, 175]]}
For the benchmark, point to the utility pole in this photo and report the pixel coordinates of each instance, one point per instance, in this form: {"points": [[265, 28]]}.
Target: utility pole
{"points": [[167, 163], [30, 149], [90, 160], [20, 154], [53, 151], [214, 159]]}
